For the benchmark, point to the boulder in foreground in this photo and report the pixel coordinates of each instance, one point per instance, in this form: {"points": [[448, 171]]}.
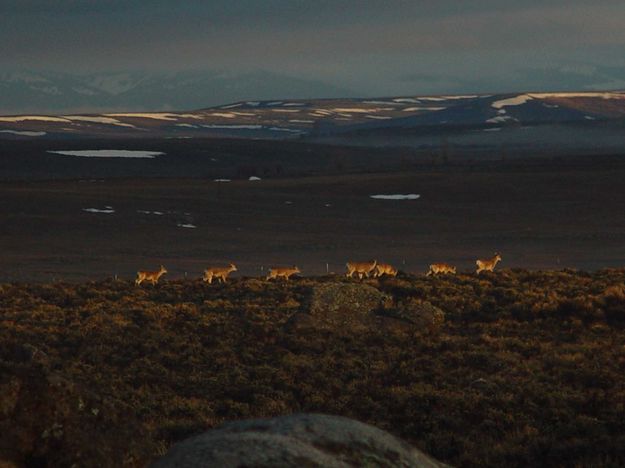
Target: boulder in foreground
{"points": [[310, 440]]}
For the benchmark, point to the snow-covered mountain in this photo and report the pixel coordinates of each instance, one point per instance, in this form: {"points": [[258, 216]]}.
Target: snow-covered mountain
{"points": [[50, 92], [323, 117]]}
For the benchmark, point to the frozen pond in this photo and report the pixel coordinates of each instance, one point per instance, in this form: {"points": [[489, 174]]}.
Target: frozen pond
{"points": [[410, 196], [110, 154]]}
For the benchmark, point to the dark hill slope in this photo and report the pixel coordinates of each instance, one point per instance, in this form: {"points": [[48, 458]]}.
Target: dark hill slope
{"points": [[526, 370]]}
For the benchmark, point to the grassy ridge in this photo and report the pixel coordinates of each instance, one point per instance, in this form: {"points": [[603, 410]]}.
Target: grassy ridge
{"points": [[528, 368]]}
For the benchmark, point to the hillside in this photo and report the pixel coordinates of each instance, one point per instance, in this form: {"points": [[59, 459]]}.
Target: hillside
{"points": [[297, 118], [526, 369]]}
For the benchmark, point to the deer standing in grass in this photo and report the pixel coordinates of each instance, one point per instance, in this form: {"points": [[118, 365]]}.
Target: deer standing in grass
{"points": [[286, 273], [384, 269], [487, 265], [151, 276], [361, 269], [220, 273], [436, 268]]}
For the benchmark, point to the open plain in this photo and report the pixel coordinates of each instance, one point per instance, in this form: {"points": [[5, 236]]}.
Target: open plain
{"points": [[97, 218]]}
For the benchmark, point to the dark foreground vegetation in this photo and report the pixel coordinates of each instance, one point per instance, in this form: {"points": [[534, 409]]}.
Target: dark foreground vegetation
{"points": [[527, 369]]}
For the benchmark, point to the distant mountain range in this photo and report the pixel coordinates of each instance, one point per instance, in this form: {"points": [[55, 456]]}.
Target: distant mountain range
{"points": [[49, 92], [324, 117]]}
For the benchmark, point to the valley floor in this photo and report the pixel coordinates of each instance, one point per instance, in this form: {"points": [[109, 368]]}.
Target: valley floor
{"points": [[536, 217]]}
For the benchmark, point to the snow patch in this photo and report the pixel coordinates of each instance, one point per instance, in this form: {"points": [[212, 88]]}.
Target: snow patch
{"points": [[95, 119], [410, 196], [501, 119], [523, 98], [384, 103], [356, 110], [106, 210], [110, 154], [234, 127], [113, 84], [84, 91], [41, 118], [23, 133], [148, 115], [462, 96], [225, 115], [282, 129], [434, 99], [157, 213], [412, 109], [514, 101], [608, 95], [222, 180], [187, 225], [254, 178]]}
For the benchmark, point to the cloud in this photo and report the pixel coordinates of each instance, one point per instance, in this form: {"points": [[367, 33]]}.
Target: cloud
{"points": [[363, 43]]}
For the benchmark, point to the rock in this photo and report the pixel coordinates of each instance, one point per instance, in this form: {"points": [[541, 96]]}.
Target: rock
{"points": [[348, 307], [345, 298], [299, 440], [340, 307], [422, 315]]}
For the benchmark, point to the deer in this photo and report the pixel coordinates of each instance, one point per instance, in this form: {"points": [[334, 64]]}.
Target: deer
{"points": [[384, 269], [220, 273], [437, 268], [361, 269], [487, 265], [286, 273], [151, 276]]}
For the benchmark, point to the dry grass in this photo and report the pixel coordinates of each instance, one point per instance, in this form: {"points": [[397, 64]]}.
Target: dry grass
{"points": [[527, 370]]}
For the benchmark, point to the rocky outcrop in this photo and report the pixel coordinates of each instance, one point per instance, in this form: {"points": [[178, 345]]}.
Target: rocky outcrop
{"points": [[422, 315], [349, 307], [340, 307], [300, 440]]}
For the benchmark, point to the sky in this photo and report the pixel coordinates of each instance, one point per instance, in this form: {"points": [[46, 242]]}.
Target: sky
{"points": [[372, 47]]}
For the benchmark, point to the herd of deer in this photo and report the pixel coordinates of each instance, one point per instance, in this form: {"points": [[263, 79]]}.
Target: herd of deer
{"points": [[362, 269]]}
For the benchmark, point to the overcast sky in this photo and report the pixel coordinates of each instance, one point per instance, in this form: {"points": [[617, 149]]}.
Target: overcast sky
{"points": [[373, 47]]}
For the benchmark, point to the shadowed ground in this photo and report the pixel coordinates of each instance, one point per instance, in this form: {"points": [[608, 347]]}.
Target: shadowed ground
{"points": [[550, 216], [526, 368]]}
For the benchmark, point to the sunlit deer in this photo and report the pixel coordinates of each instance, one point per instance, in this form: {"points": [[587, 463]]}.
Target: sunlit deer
{"points": [[220, 273], [151, 276], [384, 269], [361, 269], [436, 268], [487, 265], [286, 273]]}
